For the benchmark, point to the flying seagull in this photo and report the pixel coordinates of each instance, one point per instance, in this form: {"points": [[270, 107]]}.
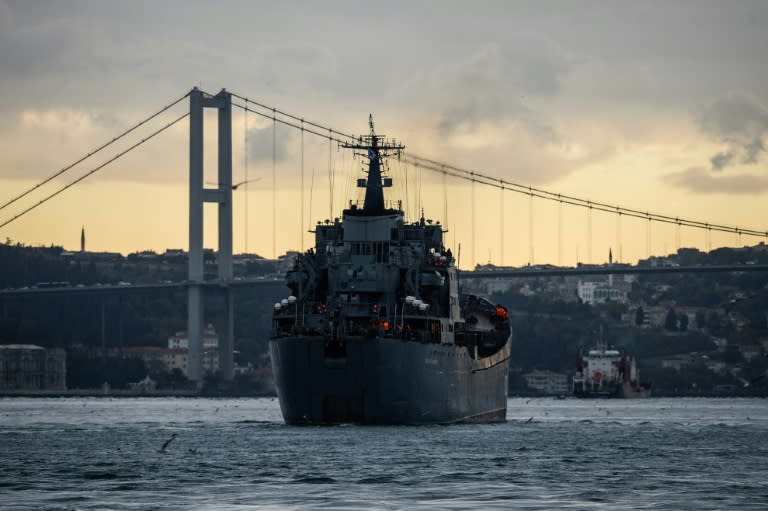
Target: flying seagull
{"points": [[236, 185], [167, 443], [747, 383]]}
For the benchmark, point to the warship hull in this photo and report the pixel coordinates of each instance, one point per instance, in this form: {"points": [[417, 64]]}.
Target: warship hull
{"points": [[387, 381]]}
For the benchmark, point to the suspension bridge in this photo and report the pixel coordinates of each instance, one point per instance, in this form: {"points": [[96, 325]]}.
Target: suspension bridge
{"points": [[410, 166]]}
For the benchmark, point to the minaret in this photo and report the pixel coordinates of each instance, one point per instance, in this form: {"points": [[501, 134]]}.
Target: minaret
{"points": [[610, 256], [82, 239]]}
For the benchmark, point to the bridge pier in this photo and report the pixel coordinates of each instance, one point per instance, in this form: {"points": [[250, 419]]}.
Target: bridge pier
{"points": [[197, 197]]}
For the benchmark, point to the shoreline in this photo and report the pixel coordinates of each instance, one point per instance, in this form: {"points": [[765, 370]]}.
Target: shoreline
{"points": [[129, 393], [187, 393]]}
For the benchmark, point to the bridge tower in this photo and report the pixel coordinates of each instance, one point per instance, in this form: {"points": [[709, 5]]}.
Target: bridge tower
{"points": [[197, 197]]}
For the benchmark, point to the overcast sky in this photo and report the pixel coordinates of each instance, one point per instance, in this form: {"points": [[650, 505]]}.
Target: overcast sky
{"points": [[658, 106]]}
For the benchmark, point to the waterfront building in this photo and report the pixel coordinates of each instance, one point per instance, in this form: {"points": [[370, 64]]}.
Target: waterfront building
{"points": [[597, 292], [158, 359], [548, 382], [32, 367], [181, 339]]}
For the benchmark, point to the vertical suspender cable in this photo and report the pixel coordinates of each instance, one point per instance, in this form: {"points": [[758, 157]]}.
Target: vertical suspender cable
{"points": [[454, 247], [347, 177], [311, 194], [619, 241], [445, 201], [589, 234], [648, 238], [418, 199], [330, 175], [501, 223], [560, 233], [408, 206], [530, 229], [472, 227], [245, 177], [301, 221], [274, 185]]}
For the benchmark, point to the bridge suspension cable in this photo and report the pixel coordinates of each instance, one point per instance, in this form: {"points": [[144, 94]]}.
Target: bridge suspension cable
{"points": [[417, 162], [420, 162], [92, 153], [332, 134], [470, 175], [94, 170]]}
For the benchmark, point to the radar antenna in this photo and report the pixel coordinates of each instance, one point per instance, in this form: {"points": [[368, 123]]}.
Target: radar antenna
{"points": [[375, 147]]}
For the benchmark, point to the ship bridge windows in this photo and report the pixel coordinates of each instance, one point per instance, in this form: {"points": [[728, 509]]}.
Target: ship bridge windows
{"points": [[358, 249], [382, 251], [379, 249], [413, 234]]}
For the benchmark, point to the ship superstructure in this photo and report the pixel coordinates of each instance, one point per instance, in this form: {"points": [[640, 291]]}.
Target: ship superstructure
{"points": [[375, 329]]}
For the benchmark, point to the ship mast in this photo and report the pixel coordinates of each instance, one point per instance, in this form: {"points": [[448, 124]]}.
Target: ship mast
{"points": [[376, 147], [602, 346]]}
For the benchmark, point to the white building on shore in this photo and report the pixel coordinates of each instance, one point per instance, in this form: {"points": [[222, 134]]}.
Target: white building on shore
{"points": [[548, 382], [175, 356]]}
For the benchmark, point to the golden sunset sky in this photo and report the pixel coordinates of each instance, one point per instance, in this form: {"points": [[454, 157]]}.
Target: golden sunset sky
{"points": [[653, 106]]}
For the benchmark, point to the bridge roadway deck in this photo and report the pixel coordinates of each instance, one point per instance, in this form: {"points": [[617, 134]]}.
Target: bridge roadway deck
{"points": [[609, 270], [106, 289], [494, 274]]}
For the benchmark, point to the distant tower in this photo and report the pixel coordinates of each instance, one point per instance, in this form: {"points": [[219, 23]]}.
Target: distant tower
{"points": [[82, 239], [610, 256]]}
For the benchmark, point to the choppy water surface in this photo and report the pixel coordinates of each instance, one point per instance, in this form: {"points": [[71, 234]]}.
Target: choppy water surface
{"points": [[100, 453]]}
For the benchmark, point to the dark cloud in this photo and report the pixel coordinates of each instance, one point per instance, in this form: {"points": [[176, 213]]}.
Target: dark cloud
{"points": [[721, 160], [537, 71], [741, 122], [526, 66], [753, 150], [700, 180], [492, 83], [263, 143], [738, 115]]}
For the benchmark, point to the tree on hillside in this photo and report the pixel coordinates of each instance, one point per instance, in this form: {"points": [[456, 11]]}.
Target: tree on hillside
{"points": [[714, 323]]}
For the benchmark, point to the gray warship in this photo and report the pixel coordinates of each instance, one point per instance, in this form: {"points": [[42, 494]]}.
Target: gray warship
{"points": [[376, 331]]}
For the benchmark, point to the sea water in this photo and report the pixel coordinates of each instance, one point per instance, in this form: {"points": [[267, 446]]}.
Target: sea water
{"points": [[102, 453]]}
